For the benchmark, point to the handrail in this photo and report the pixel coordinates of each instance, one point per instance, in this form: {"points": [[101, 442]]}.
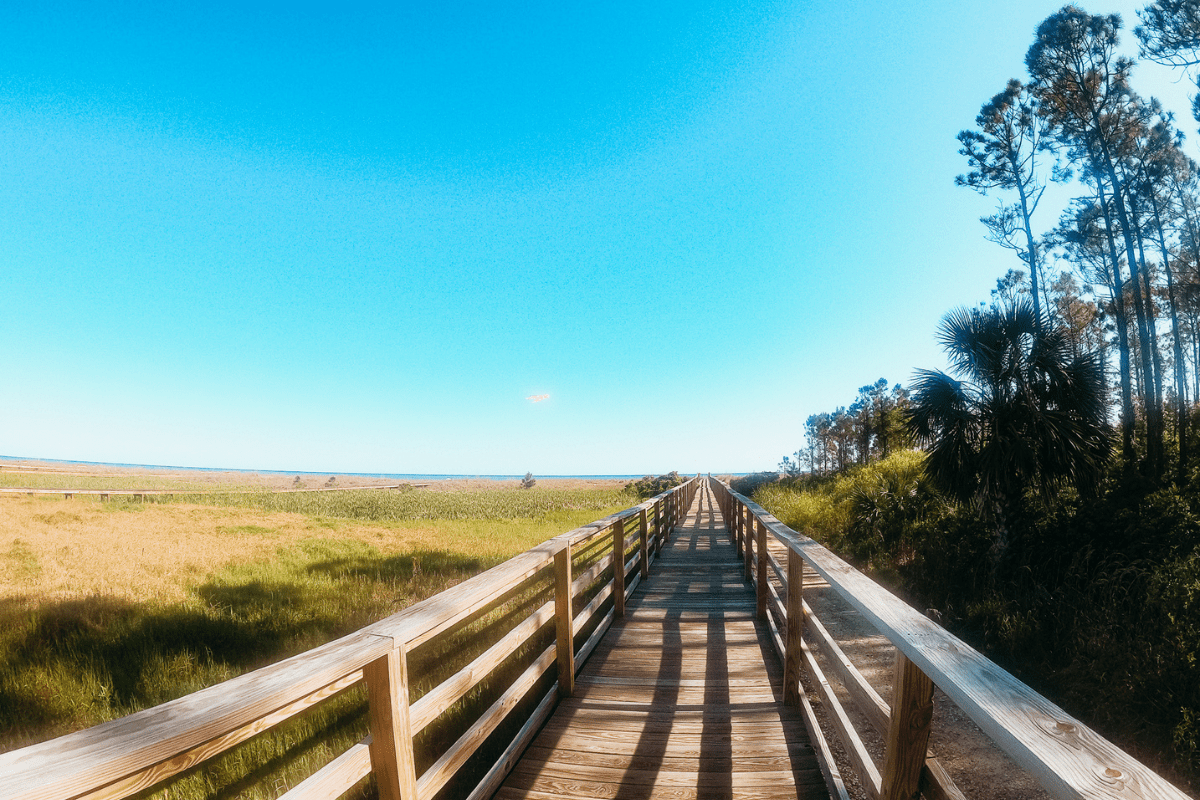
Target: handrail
{"points": [[127, 755], [1068, 758]]}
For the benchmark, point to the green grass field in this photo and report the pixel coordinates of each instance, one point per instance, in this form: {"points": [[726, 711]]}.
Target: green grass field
{"points": [[276, 576]]}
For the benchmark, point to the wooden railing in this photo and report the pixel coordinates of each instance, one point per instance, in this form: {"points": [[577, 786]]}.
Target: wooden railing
{"points": [[1069, 759], [523, 627]]}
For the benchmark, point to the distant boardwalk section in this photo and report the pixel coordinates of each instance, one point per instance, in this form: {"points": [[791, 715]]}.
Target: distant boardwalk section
{"points": [[683, 698]]}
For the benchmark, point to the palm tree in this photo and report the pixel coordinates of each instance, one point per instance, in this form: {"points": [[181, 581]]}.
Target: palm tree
{"points": [[1028, 414]]}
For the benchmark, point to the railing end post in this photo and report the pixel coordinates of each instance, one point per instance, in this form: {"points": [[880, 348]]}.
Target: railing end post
{"points": [[391, 749], [794, 630], [908, 731], [564, 616]]}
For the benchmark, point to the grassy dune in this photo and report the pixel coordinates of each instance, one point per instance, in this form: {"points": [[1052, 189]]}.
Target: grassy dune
{"points": [[106, 608]]}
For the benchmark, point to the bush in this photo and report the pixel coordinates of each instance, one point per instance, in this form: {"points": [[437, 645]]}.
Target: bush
{"points": [[649, 487], [528, 481], [1096, 605], [812, 513], [865, 513], [749, 484]]}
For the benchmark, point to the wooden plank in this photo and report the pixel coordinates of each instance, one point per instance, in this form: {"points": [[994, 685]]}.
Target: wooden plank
{"points": [[852, 744], [587, 790], [834, 782], [528, 777], [508, 759], [618, 534], [631, 760], [184, 761], [176, 735], [564, 622], [644, 543], [760, 533], [391, 732], [936, 783], [451, 690], [793, 642], [434, 778], [908, 733], [865, 698], [586, 650], [335, 778], [585, 614]]}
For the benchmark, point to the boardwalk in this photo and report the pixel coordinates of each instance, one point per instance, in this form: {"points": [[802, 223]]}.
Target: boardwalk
{"points": [[683, 697]]}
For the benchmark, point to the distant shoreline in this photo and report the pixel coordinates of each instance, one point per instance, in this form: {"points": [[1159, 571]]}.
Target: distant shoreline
{"points": [[400, 476]]}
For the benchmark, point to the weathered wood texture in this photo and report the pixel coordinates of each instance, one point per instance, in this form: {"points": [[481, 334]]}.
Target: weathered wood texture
{"points": [[682, 698], [1070, 760]]}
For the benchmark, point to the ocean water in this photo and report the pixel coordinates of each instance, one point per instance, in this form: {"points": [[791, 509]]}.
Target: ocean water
{"points": [[402, 476]]}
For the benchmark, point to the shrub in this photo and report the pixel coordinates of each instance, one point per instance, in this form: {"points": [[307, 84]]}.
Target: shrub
{"points": [[649, 487], [866, 512], [749, 484], [528, 482]]}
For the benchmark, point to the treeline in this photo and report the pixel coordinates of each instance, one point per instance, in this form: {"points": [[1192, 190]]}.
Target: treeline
{"points": [[1051, 513], [872, 427], [1117, 274], [1130, 238]]}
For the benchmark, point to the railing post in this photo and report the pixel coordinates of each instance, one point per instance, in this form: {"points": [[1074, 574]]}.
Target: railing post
{"points": [[391, 732], [795, 629], [748, 550], [740, 514], [908, 732], [564, 622], [760, 596], [658, 526], [644, 543], [733, 526], [619, 568]]}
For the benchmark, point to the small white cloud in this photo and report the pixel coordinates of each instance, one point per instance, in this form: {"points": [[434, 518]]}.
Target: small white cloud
{"points": [[537, 398]]}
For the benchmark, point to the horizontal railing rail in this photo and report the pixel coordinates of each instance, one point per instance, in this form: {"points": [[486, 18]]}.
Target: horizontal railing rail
{"points": [[584, 576], [1069, 759]]}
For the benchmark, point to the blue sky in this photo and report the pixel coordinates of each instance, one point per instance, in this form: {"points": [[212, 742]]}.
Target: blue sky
{"points": [[357, 237]]}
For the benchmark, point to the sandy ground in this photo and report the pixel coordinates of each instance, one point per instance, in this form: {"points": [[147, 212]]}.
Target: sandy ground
{"points": [[287, 480], [979, 768]]}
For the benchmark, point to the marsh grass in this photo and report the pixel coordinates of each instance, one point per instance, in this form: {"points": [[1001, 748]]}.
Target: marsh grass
{"points": [[57, 480], [158, 552], [251, 587], [398, 505]]}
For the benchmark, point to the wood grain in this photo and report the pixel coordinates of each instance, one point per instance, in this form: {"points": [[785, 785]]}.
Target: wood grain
{"points": [[908, 731], [564, 631], [391, 732], [335, 778], [181, 733]]}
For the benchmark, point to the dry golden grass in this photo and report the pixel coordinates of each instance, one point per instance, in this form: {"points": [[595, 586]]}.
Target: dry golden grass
{"points": [[56, 549]]}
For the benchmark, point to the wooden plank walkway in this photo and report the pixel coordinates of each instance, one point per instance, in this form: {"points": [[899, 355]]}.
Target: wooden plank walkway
{"points": [[683, 697]]}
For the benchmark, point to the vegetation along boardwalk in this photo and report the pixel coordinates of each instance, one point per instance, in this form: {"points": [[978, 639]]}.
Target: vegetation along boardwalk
{"points": [[638, 656], [683, 698]]}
